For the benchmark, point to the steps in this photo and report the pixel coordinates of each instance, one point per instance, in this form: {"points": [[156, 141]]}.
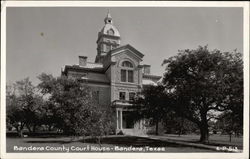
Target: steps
{"points": [[135, 132]]}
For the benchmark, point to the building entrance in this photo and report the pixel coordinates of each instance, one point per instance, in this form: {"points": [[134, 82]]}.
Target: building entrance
{"points": [[127, 119]]}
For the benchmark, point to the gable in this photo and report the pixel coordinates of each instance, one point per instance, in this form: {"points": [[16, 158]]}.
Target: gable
{"points": [[126, 56], [129, 50]]}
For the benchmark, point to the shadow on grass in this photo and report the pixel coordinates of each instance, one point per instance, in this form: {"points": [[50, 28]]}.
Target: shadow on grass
{"points": [[119, 141], [133, 141], [49, 141]]}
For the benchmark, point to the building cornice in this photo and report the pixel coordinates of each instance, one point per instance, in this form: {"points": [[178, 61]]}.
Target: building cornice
{"points": [[81, 69], [151, 76], [107, 36]]}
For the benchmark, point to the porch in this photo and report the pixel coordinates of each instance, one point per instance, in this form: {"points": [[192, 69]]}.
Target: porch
{"points": [[125, 120]]}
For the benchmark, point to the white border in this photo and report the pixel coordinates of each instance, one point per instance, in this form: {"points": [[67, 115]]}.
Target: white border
{"points": [[245, 5]]}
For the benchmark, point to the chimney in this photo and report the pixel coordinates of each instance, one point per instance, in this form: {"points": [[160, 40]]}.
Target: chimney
{"points": [[146, 69], [83, 60]]}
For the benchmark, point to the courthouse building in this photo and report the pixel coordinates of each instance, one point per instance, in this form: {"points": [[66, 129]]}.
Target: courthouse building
{"points": [[116, 76]]}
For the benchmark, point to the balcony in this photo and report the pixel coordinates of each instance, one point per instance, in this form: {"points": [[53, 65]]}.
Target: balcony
{"points": [[122, 103]]}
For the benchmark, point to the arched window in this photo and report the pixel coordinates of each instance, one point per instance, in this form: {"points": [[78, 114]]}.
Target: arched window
{"points": [[127, 64], [127, 74], [110, 32]]}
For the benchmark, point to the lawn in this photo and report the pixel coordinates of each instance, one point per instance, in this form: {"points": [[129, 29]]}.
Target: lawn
{"points": [[215, 139], [108, 144]]}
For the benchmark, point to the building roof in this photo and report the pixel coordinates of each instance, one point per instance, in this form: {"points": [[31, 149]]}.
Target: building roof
{"points": [[90, 75], [150, 76], [148, 82], [96, 78], [108, 27], [93, 65], [148, 79], [82, 68], [127, 47]]}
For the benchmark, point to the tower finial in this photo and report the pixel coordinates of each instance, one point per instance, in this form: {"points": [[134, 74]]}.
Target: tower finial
{"points": [[108, 18], [109, 15]]}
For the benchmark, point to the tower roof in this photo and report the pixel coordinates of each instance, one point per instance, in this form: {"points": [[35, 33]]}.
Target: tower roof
{"points": [[109, 28]]}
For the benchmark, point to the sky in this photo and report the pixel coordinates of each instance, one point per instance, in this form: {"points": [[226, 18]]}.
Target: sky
{"points": [[41, 39]]}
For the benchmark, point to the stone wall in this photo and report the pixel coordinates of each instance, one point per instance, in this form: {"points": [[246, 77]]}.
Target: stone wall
{"points": [[103, 89], [104, 93], [116, 84]]}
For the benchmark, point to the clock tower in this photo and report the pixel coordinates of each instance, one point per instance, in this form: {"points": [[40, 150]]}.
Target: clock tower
{"points": [[108, 39]]}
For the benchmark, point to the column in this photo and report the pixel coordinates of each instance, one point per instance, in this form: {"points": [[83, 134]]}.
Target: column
{"points": [[121, 118], [117, 120]]}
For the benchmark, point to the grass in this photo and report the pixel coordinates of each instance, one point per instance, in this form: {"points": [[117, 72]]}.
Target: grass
{"points": [[108, 143], [215, 139]]}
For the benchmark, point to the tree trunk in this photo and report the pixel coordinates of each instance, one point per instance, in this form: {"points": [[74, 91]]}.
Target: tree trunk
{"points": [[204, 133], [28, 127], [157, 127], [20, 130], [20, 133], [49, 127], [181, 126], [34, 128], [230, 137]]}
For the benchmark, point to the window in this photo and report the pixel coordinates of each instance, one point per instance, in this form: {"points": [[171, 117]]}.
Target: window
{"points": [[131, 95], [110, 31], [127, 74], [122, 96], [130, 76], [127, 64], [123, 75]]}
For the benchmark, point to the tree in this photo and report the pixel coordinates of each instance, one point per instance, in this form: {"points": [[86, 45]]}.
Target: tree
{"points": [[24, 106], [101, 122], [67, 98], [15, 114], [176, 124], [202, 82], [72, 107], [31, 103], [228, 123], [152, 104]]}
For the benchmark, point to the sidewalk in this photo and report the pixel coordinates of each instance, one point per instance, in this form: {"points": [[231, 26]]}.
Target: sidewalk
{"points": [[196, 145]]}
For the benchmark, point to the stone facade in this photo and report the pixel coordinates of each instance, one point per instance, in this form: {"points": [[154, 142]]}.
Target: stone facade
{"points": [[116, 76]]}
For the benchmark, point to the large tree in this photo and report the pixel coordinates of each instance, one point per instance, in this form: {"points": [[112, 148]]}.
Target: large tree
{"points": [[24, 106], [72, 107], [15, 115], [204, 82], [152, 103]]}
